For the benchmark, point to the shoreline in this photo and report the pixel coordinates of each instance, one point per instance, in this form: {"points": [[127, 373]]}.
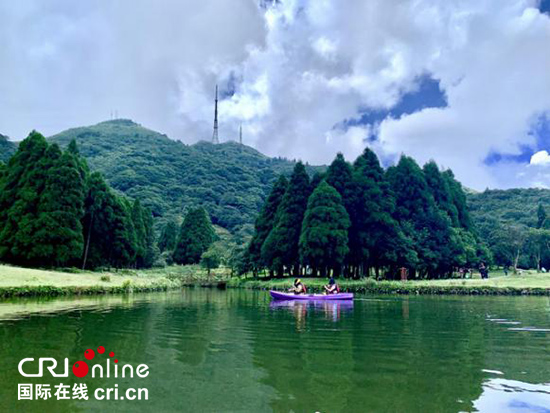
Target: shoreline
{"points": [[404, 288], [25, 282]]}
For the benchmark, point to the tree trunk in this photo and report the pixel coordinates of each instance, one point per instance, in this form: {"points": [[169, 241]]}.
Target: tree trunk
{"points": [[87, 242], [516, 260]]}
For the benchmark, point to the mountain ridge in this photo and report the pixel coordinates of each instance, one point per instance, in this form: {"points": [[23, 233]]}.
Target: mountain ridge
{"points": [[229, 179]]}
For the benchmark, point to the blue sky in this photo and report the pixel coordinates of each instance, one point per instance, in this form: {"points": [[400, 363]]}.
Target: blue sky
{"points": [[463, 82]]}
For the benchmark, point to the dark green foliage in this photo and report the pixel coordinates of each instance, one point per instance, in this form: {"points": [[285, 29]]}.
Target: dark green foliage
{"points": [[168, 237], [7, 148], [413, 198], [504, 219], [541, 217], [59, 239], [196, 235], [324, 235], [381, 220], [265, 222], [210, 259], [441, 191], [458, 198], [377, 239], [229, 180], [280, 249], [108, 228], [138, 216]]}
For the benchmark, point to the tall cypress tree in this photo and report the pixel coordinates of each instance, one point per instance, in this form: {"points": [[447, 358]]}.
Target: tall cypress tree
{"points": [[58, 240], [108, 229], [168, 237], [280, 249], [19, 198], [340, 176], [441, 191], [420, 218], [324, 234], [265, 223], [196, 235], [459, 199], [378, 239]]}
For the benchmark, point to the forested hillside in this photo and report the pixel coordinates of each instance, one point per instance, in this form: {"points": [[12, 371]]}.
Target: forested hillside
{"points": [[230, 180], [514, 225], [7, 148]]}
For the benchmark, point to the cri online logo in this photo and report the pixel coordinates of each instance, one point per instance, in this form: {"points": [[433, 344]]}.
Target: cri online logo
{"points": [[81, 368]]}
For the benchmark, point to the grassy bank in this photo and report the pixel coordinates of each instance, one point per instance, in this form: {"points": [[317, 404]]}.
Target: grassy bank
{"points": [[529, 283], [19, 282]]}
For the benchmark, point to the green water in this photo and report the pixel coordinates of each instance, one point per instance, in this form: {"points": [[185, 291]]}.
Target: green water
{"points": [[216, 351]]}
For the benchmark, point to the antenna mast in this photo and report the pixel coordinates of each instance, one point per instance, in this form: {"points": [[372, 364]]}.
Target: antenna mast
{"points": [[241, 134], [215, 139]]}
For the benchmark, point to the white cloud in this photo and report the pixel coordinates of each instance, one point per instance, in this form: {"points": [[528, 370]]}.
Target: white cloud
{"points": [[298, 68], [540, 158]]}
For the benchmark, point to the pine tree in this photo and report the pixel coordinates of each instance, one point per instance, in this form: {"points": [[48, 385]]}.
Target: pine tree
{"points": [[280, 249], [168, 237], [265, 223], [324, 234], [196, 235]]}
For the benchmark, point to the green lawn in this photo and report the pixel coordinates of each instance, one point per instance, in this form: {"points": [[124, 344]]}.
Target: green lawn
{"points": [[497, 280], [21, 277], [26, 281]]}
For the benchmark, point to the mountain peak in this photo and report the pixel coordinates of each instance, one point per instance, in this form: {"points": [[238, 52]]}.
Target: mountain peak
{"points": [[119, 122]]}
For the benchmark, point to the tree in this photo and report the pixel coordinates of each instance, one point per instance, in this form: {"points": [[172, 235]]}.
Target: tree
{"points": [[265, 223], [537, 244], [441, 191], [140, 234], [324, 235], [196, 235], [168, 237], [377, 239], [210, 259], [458, 198], [541, 217], [59, 240], [108, 228], [280, 249], [19, 198], [430, 228]]}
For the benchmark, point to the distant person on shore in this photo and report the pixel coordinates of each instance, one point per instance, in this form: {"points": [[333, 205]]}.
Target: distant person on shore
{"points": [[332, 287], [483, 270], [299, 287]]}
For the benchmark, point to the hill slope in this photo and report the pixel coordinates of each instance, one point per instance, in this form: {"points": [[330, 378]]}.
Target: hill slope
{"points": [[7, 148], [511, 206], [230, 180]]}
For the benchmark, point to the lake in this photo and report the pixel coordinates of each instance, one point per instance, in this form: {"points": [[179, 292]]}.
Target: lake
{"points": [[235, 350]]}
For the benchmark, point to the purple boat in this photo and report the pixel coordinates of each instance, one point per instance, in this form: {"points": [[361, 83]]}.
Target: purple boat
{"points": [[277, 295]]}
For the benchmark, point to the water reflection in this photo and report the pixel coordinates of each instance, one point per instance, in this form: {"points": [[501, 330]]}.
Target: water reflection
{"points": [[332, 310], [501, 396], [232, 350]]}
